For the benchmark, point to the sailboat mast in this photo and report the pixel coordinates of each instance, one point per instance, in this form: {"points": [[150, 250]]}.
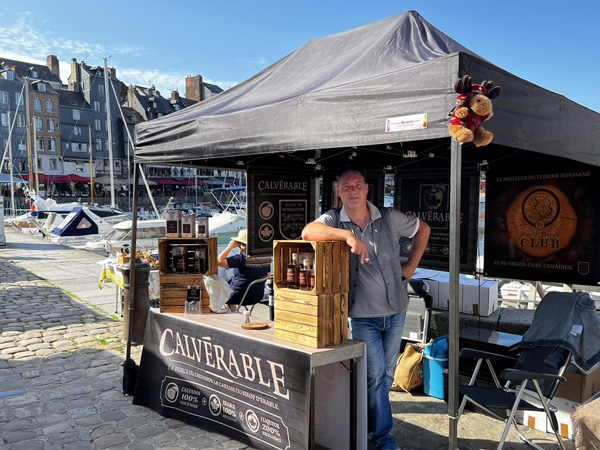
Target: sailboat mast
{"points": [[10, 162], [28, 130], [109, 129], [91, 164]]}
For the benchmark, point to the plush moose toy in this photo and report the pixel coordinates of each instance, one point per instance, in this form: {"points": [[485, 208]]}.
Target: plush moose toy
{"points": [[473, 106]]}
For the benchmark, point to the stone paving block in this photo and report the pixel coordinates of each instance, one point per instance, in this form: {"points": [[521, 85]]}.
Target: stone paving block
{"points": [[18, 436], [34, 444], [111, 441]]}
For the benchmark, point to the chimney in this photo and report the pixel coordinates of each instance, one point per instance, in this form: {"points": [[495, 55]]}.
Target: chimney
{"points": [[174, 97], [75, 78], [193, 87], [131, 96], [112, 72], [52, 63]]}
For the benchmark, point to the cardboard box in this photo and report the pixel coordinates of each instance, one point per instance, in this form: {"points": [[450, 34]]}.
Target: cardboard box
{"points": [[579, 386], [564, 410], [538, 420], [443, 291], [123, 258], [479, 298]]}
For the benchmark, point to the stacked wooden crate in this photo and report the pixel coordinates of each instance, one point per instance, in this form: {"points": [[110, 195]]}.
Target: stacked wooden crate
{"points": [[316, 317], [173, 286]]}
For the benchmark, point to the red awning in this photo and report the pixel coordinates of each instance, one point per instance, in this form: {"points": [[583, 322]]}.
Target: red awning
{"points": [[41, 177], [72, 178]]}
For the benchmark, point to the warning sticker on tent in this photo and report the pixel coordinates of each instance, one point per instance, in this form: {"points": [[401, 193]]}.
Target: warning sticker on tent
{"points": [[403, 123]]}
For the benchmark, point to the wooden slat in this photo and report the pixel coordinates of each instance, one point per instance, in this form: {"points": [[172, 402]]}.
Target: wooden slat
{"points": [[344, 268], [290, 316], [298, 338], [172, 308], [298, 328], [337, 319], [344, 306]]}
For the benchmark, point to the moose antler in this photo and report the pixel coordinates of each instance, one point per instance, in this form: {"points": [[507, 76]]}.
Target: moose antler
{"points": [[463, 85], [492, 92]]}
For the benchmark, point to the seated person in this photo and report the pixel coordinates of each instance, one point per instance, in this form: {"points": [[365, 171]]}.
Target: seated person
{"points": [[247, 269]]}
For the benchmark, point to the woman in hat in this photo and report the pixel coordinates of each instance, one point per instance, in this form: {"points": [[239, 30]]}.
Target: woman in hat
{"points": [[246, 270]]}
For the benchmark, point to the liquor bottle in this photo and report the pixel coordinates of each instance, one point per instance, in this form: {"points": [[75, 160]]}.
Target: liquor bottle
{"points": [[303, 276], [311, 277], [193, 304], [291, 272]]}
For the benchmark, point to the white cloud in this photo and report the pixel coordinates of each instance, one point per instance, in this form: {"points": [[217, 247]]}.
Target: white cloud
{"points": [[34, 46]]}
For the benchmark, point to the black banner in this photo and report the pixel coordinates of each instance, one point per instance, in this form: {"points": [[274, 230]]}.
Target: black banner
{"points": [[250, 390], [279, 208], [426, 194], [542, 224]]}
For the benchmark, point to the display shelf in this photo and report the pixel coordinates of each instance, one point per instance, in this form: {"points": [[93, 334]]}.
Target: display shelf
{"points": [[173, 285]]}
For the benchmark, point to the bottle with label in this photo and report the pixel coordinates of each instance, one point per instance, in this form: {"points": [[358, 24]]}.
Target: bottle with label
{"points": [[291, 273], [303, 277], [311, 277], [193, 303], [200, 261], [179, 259]]}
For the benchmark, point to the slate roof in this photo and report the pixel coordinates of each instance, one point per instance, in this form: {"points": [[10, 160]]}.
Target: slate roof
{"points": [[72, 99], [22, 68]]}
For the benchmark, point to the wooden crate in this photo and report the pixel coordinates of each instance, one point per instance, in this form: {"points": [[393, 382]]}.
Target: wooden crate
{"points": [[329, 258], [173, 292], [173, 286], [314, 320]]}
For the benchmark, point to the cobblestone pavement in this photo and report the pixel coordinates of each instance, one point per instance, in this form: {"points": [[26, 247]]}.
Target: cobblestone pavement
{"points": [[61, 376]]}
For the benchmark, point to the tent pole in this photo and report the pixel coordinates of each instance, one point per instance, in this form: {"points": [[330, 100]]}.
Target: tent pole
{"points": [[129, 366], [454, 306]]}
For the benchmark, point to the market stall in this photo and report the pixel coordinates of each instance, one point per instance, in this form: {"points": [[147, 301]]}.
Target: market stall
{"points": [[378, 97]]}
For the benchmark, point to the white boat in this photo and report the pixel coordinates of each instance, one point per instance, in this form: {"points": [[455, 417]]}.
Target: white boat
{"points": [[47, 213], [223, 226], [83, 225], [148, 234]]}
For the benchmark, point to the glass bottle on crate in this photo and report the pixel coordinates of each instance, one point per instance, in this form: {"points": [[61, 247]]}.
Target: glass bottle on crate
{"points": [[303, 276], [311, 277], [291, 272], [193, 304]]}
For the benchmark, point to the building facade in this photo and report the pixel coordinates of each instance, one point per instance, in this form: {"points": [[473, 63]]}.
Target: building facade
{"points": [[58, 129]]}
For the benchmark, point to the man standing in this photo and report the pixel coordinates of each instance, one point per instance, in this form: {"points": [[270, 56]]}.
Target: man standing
{"points": [[378, 298]]}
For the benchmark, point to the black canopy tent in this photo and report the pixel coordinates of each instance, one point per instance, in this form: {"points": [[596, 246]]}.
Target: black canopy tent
{"points": [[337, 92], [333, 98]]}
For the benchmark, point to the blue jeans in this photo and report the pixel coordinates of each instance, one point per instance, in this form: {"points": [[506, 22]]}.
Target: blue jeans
{"points": [[382, 337]]}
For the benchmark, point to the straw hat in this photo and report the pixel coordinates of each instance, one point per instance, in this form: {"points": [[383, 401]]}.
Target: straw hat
{"points": [[242, 237]]}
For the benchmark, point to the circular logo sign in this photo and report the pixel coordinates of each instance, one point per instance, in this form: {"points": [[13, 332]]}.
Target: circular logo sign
{"points": [[214, 405], [541, 221], [172, 392]]}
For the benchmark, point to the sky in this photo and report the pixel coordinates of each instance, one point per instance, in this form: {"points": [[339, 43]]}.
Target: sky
{"points": [[551, 43]]}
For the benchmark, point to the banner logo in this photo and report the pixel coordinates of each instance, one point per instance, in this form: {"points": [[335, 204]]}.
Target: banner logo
{"points": [[541, 221]]}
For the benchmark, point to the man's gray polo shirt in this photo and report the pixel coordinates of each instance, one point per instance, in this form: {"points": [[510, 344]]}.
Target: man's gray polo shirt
{"points": [[371, 290]]}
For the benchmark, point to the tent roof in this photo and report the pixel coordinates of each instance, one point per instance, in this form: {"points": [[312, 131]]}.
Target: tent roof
{"points": [[337, 92]]}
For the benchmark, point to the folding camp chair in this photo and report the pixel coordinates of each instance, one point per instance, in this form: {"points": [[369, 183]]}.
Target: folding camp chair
{"points": [[539, 369], [257, 281]]}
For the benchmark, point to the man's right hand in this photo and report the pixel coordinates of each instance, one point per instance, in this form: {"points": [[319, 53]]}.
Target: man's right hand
{"points": [[358, 247]]}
